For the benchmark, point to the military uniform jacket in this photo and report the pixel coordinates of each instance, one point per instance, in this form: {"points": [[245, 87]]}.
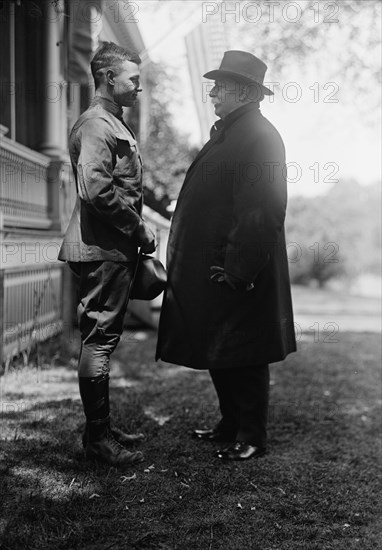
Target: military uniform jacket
{"points": [[107, 169]]}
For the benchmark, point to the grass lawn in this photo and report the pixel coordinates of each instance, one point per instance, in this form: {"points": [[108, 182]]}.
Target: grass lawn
{"points": [[318, 488]]}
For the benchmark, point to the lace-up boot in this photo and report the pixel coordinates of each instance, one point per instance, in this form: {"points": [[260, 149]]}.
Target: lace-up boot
{"points": [[99, 442], [102, 446]]}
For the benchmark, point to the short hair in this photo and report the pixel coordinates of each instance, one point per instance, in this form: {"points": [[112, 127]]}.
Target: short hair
{"points": [[110, 55]]}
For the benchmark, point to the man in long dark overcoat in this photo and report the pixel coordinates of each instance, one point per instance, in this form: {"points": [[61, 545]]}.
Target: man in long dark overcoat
{"points": [[228, 305], [102, 240]]}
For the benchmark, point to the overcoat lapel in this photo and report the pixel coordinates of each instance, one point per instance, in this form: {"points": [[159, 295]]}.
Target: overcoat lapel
{"points": [[210, 143]]}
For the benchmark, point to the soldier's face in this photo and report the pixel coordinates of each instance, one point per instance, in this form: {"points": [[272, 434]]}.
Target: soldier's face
{"points": [[225, 96], [126, 84]]}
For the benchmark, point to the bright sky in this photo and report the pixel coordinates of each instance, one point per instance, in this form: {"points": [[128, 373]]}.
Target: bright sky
{"points": [[324, 140]]}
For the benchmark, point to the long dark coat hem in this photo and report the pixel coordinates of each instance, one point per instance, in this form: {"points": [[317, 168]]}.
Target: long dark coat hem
{"points": [[180, 362]]}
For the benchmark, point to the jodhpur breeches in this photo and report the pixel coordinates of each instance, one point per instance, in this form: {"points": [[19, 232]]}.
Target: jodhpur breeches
{"points": [[102, 301]]}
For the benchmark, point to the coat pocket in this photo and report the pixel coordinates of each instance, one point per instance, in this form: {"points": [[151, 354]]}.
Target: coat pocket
{"points": [[126, 145], [127, 157]]}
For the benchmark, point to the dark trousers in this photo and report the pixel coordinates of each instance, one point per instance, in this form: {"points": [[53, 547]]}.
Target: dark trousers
{"points": [[243, 394], [102, 302]]}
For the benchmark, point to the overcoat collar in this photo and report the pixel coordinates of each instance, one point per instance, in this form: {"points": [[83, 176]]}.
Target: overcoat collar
{"points": [[237, 113], [219, 129]]}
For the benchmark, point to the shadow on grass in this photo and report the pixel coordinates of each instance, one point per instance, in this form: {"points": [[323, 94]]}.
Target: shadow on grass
{"points": [[316, 489]]}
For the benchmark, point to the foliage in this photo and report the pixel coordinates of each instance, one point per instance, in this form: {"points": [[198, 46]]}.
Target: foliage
{"points": [[317, 28], [334, 235], [340, 40], [166, 151]]}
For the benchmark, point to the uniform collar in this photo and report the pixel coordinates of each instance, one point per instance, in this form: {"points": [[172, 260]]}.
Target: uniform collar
{"points": [[108, 105]]}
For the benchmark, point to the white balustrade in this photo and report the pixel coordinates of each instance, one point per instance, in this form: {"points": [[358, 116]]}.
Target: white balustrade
{"points": [[23, 186]]}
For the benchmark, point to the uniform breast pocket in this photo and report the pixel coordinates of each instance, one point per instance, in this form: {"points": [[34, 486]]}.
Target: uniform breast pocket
{"points": [[126, 147], [127, 156]]}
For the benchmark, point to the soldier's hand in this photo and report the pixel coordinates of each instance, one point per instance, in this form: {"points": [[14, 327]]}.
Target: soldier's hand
{"points": [[146, 238]]}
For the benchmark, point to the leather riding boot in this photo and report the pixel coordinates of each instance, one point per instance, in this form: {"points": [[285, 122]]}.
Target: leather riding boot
{"points": [[125, 439], [98, 440], [100, 386], [103, 447], [94, 393]]}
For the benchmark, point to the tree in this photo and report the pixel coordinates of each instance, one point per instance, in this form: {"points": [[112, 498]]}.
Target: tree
{"points": [[339, 39], [335, 235], [166, 151]]}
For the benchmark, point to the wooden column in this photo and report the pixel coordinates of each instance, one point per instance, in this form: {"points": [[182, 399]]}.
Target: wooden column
{"points": [[2, 327], [54, 118], [52, 88]]}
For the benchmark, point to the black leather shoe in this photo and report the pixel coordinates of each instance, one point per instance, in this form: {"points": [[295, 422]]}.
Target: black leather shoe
{"points": [[213, 434], [240, 451]]}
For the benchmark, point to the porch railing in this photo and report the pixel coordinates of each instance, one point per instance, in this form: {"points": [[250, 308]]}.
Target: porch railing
{"points": [[32, 306], [24, 186]]}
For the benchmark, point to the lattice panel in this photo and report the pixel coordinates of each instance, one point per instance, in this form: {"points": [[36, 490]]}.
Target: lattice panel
{"points": [[23, 184], [32, 306]]}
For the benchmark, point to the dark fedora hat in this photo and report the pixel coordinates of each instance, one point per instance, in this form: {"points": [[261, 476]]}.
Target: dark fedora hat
{"points": [[242, 66]]}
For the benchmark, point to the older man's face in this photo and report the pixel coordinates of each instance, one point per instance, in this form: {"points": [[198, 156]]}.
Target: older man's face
{"points": [[225, 96]]}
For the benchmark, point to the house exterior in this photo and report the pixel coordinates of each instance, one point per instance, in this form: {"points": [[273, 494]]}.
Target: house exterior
{"points": [[45, 85], [205, 45]]}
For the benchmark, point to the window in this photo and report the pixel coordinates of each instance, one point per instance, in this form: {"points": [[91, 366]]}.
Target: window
{"points": [[21, 71]]}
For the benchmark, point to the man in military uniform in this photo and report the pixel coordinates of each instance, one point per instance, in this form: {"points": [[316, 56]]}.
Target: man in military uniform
{"points": [[102, 239]]}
